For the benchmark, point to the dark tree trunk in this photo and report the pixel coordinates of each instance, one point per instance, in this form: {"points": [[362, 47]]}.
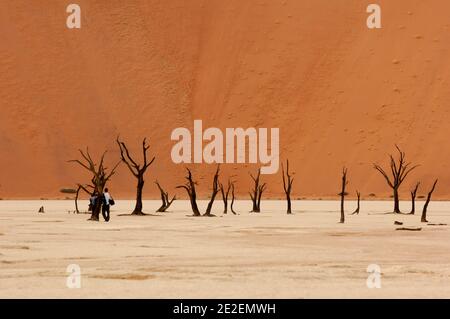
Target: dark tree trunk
{"points": [[261, 190], [396, 202], [165, 199], [232, 199], [96, 209], [225, 196], [190, 189], [287, 186], [255, 208], [140, 186], [76, 199], [425, 207], [344, 184], [413, 204], [194, 206], [210, 205], [358, 194], [413, 199], [257, 192], [289, 205], [215, 190]]}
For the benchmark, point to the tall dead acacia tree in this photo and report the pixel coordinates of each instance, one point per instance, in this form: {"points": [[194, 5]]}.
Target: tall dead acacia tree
{"points": [[257, 192], [356, 212], [425, 207], [190, 189], [287, 186], [413, 198], [214, 193], [399, 170], [344, 185], [99, 179], [164, 198], [137, 170]]}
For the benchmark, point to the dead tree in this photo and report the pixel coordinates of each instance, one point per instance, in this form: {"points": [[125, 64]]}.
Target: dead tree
{"points": [[76, 199], [257, 192], [232, 198], [399, 170], [358, 194], [214, 193], [413, 199], [425, 207], [77, 196], [287, 186], [190, 189], [165, 199], [137, 170], [99, 179], [344, 184], [225, 194]]}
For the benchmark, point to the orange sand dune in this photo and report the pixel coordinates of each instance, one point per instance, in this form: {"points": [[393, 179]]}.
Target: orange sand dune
{"points": [[340, 93]]}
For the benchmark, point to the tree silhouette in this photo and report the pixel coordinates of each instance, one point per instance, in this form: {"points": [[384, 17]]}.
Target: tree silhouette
{"points": [[413, 198], [425, 207], [358, 194], [164, 198], [287, 186], [257, 192], [100, 176], [189, 186], [215, 191], [344, 185], [137, 170], [399, 170]]}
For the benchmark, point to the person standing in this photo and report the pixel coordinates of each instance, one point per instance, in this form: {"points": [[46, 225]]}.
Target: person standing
{"points": [[107, 202]]}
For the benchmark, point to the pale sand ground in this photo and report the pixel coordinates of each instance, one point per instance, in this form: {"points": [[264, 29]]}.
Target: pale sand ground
{"points": [[267, 255]]}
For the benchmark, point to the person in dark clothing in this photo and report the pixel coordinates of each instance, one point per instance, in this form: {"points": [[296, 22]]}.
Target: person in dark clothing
{"points": [[92, 202]]}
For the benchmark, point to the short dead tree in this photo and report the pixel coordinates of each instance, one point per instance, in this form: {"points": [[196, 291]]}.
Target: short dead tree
{"points": [[343, 193], [88, 189], [287, 186], [214, 193], [356, 212], [399, 170], [425, 207], [137, 170], [190, 189], [225, 194], [413, 198], [232, 198], [164, 198], [99, 179], [257, 192]]}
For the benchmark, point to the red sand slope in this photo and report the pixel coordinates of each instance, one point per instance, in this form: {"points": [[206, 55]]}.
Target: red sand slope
{"points": [[341, 94]]}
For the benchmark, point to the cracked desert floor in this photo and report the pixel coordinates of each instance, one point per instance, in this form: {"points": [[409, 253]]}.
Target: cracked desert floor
{"points": [[267, 255]]}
